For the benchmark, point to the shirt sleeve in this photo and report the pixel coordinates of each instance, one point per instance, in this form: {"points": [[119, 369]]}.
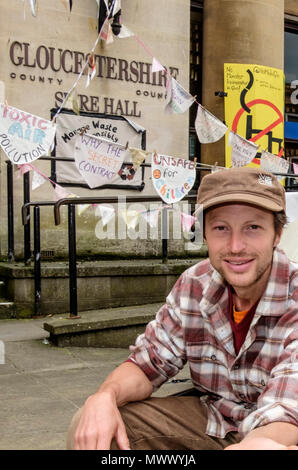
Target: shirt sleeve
{"points": [[279, 400], [160, 350]]}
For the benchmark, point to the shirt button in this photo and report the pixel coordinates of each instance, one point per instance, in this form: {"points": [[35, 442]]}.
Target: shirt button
{"points": [[213, 357], [241, 395], [236, 367], [263, 383]]}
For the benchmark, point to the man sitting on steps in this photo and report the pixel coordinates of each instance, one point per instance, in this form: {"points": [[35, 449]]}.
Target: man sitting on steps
{"points": [[234, 318]]}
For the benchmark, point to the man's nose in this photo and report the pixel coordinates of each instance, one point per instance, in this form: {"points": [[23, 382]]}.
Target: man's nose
{"points": [[237, 242]]}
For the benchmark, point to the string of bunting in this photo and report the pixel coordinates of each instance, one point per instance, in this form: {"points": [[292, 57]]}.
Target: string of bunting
{"points": [[26, 137], [209, 128]]}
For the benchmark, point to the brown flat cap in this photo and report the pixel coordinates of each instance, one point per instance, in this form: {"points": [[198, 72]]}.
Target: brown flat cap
{"points": [[248, 185]]}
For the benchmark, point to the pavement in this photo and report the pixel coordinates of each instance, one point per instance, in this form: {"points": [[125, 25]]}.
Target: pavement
{"points": [[42, 385]]}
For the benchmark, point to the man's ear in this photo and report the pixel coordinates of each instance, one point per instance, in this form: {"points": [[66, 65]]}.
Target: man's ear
{"points": [[277, 238]]}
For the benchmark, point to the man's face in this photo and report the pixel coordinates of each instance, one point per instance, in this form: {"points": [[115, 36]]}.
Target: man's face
{"points": [[240, 239]]}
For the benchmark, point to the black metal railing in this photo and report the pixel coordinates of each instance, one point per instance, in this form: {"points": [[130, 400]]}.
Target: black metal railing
{"points": [[72, 249]]}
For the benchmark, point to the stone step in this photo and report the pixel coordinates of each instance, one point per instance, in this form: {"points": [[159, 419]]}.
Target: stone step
{"points": [[7, 309], [106, 328]]}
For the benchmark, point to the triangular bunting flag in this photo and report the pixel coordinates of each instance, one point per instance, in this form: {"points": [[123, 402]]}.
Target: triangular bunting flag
{"points": [[37, 180], [72, 102], [178, 100], [82, 208], [138, 156], [117, 7], [33, 6], [125, 32], [156, 66], [60, 192], [209, 129], [151, 217], [105, 212], [131, 218], [243, 151], [106, 32], [24, 168], [274, 164], [187, 221]]}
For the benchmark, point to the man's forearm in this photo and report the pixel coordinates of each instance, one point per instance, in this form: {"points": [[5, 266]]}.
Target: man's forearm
{"points": [[127, 383], [282, 433]]}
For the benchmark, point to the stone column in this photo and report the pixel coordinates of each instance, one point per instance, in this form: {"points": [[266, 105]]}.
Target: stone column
{"points": [[237, 31]]}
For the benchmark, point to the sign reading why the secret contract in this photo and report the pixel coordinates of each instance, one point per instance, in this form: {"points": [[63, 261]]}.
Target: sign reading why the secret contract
{"points": [[98, 160]]}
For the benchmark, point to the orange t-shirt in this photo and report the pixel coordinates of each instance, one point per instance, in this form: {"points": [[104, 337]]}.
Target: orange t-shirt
{"points": [[238, 316]]}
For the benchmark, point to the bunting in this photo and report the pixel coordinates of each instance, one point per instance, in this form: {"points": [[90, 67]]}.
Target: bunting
{"points": [[105, 212], [243, 151], [178, 100], [208, 128], [272, 163]]}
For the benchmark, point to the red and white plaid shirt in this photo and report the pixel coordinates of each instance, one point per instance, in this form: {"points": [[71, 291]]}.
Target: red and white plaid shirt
{"points": [[254, 388]]}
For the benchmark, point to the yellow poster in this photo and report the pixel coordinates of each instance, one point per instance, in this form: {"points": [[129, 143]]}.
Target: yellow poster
{"points": [[254, 107]]}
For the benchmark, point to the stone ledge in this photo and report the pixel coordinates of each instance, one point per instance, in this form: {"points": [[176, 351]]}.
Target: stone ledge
{"points": [[99, 268], [113, 327]]}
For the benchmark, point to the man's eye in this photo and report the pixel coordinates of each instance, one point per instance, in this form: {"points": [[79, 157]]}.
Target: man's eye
{"points": [[254, 227], [220, 228]]}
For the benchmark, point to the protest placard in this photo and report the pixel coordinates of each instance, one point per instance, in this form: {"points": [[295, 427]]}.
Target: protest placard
{"points": [[172, 177], [98, 160], [24, 137]]}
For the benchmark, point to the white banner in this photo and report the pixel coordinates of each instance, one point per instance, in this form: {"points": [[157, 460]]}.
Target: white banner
{"points": [[178, 100], [172, 177], [24, 137], [209, 129], [98, 160], [243, 151]]}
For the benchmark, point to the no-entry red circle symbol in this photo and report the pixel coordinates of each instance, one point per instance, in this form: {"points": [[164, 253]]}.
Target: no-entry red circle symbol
{"points": [[265, 131]]}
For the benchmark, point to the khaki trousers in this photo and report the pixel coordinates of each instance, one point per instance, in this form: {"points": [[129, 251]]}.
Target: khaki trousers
{"points": [[167, 423]]}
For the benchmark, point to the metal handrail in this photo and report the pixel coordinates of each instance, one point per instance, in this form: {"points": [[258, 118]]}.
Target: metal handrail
{"points": [[105, 200]]}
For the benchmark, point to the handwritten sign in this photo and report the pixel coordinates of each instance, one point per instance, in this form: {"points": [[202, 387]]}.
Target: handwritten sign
{"points": [[243, 151], [209, 129], [172, 177], [178, 99], [24, 137], [98, 160]]}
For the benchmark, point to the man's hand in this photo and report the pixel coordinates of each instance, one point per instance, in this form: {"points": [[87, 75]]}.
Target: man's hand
{"points": [[260, 443], [100, 423]]}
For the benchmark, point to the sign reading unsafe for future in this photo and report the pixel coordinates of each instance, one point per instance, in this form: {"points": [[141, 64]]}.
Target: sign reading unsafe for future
{"points": [[254, 106], [98, 160], [172, 177]]}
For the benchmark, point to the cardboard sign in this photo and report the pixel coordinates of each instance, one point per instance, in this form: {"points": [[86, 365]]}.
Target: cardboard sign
{"points": [[172, 177], [24, 137], [98, 160]]}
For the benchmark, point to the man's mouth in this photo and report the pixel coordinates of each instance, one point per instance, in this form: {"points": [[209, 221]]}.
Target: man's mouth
{"points": [[238, 265]]}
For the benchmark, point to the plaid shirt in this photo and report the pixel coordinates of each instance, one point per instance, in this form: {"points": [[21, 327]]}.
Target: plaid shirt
{"points": [[241, 392]]}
